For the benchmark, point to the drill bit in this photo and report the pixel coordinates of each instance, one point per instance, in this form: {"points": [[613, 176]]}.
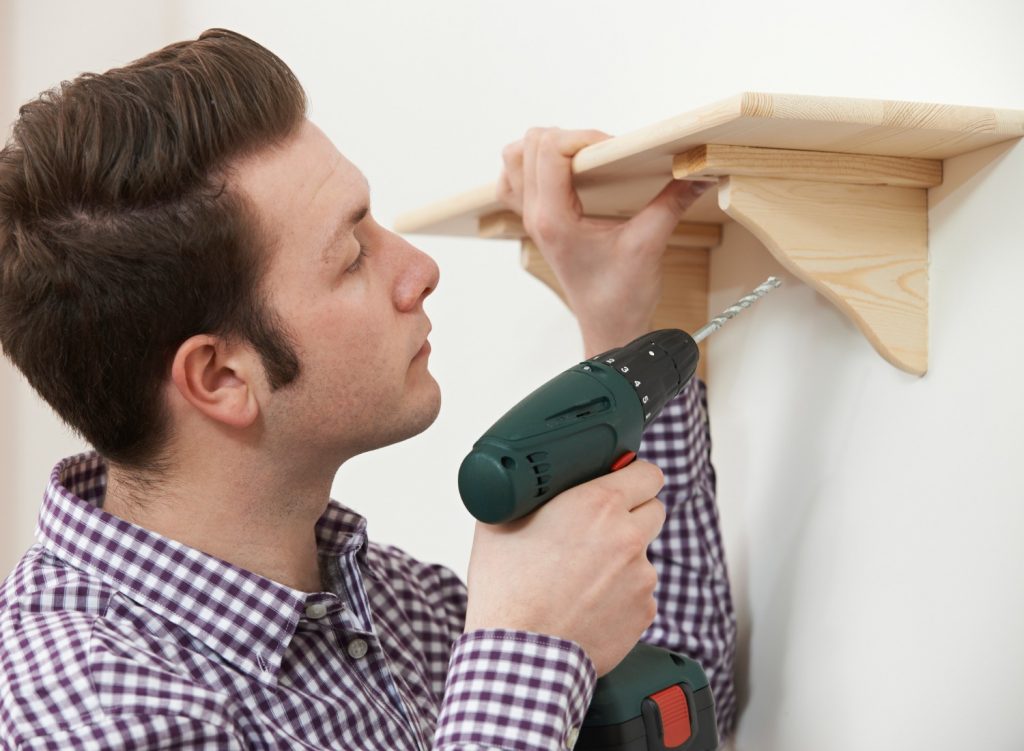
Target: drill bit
{"points": [[736, 308]]}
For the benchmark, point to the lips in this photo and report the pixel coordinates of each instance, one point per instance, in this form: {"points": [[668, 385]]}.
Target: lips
{"points": [[425, 347]]}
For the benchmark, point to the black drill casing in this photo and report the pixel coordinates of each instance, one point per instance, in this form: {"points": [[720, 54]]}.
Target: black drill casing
{"points": [[642, 733], [623, 716]]}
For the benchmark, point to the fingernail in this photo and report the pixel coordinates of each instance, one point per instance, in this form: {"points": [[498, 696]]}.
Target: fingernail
{"points": [[700, 187]]}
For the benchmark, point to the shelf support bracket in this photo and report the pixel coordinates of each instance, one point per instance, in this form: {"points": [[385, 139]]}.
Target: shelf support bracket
{"points": [[854, 228]]}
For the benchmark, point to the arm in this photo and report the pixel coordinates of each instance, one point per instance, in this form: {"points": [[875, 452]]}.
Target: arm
{"points": [[494, 688], [610, 274], [548, 612], [132, 732], [695, 610]]}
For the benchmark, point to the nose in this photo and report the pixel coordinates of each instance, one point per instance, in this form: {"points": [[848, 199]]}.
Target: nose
{"points": [[418, 277]]}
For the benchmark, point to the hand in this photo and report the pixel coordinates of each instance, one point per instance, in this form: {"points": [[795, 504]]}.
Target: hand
{"points": [[576, 568], [609, 270]]}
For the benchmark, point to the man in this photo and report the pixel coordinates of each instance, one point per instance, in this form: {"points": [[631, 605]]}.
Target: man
{"points": [[191, 275]]}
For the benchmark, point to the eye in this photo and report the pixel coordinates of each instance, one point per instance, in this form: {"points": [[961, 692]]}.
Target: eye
{"points": [[357, 264]]}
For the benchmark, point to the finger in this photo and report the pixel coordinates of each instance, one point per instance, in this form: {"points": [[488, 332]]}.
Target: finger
{"points": [[511, 183], [554, 168], [656, 221], [506, 196], [649, 518], [530, 144], [633, 485]]}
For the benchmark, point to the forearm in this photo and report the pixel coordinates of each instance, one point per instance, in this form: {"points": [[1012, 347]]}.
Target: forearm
{"points": [[695, 610]]}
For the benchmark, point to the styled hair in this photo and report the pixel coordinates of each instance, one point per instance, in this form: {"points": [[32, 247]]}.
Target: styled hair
{"points": [[120, 237]]}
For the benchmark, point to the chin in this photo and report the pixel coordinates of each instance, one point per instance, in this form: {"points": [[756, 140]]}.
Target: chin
{"points": [[428, 409], [415, 417]]}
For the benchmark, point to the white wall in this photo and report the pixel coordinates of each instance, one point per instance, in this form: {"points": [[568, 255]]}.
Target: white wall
{"points": [[41, 44], [872, 519]]}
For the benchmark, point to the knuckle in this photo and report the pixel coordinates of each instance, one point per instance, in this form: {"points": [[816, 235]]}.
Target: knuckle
{"points": [[512, 152], [505, 190], [604, 500], [549, 137], [544, 228], [650, 610], [650, 579], [633, 542], [655, 475], [661, 511]]}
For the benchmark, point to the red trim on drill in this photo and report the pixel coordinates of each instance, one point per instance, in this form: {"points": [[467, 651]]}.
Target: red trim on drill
{"points": [[623, 460], [675, 715]]}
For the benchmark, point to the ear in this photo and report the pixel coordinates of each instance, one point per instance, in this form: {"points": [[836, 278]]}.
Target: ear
{"points": [[218, 378]]}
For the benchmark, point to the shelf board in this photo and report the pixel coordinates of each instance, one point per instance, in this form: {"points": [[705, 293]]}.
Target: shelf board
{"points": [[816, 161]]}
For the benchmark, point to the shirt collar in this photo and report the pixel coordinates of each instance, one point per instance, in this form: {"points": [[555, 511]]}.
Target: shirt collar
{"points": [[246, 618]]}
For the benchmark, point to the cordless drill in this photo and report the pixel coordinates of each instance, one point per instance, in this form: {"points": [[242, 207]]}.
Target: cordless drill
{"points": [[582, 424]]}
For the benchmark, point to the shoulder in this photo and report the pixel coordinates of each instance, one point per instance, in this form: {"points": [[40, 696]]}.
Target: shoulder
{"points": [[71, 659], [47, 612], [404, 571]]}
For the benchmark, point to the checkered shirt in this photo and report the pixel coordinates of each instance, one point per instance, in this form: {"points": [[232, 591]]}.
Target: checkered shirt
{"points": [[114, 637]]}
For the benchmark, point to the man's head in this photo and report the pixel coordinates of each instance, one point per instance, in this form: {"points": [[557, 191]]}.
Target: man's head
{"points": [[153, 226]]}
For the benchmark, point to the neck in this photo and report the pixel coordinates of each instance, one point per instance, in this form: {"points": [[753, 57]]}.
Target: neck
{"points": [[246, 511]]}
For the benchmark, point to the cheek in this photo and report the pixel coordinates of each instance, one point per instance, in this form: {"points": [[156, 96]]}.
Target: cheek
{"points": [[355, 348]]}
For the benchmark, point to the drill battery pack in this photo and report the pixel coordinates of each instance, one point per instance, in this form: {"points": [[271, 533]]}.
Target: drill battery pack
{"points": [[654, 700]]}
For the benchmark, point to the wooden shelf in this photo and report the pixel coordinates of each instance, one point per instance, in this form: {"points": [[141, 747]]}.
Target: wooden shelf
{"points": [[835, 188]]}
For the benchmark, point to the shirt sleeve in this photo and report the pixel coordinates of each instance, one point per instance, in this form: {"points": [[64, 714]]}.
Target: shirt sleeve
{"points": [[495, 688], [695, 610], [134, 732], [514, 691]]}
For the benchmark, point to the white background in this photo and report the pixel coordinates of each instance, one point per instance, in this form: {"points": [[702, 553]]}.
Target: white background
{"points": [[873, 520]]}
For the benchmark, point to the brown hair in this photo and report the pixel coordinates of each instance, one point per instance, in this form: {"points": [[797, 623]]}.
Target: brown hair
{"points": [[119, 238]]}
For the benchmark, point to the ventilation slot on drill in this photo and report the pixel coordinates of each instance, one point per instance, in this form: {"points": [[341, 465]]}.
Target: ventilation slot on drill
{"points": [[578, 412], [542, 469]]}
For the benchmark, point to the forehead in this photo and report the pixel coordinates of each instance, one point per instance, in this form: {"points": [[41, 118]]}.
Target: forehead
{"points": [[301, 187]]}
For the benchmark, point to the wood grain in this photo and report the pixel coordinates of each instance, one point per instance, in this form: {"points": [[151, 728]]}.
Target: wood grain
{"points": [[863, 247], [618, 176], [835, 188], [717, 160]]}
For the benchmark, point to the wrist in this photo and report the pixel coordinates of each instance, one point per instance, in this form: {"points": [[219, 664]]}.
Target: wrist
{"points": [[596, 342]]}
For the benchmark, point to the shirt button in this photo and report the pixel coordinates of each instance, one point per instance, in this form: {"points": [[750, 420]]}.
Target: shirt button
{"points": [[357, 649], [316, 610], [574, 734]]}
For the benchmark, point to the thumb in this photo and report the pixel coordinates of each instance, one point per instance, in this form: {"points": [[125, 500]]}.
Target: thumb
{"points": [[656, 221]]}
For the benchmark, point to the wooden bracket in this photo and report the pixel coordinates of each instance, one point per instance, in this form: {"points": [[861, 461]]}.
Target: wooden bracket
{"points": [[855, 228], [836, 189]]}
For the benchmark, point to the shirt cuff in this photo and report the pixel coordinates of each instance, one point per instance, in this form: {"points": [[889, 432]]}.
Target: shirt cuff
{"points": [[514, 690]]}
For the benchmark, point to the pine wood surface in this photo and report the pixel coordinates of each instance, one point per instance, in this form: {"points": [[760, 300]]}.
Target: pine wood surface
{"points": [[865, 248], [712, 161], [617, 176]]}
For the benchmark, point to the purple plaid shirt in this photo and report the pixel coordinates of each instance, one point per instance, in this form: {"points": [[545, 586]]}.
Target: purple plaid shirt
{"points": [[114, 637]]}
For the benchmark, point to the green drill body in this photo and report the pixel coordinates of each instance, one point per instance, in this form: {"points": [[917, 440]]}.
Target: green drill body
{"points": [[582, 424]]}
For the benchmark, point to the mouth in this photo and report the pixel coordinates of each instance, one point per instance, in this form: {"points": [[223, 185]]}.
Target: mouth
{"points": [[425, 348]]}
